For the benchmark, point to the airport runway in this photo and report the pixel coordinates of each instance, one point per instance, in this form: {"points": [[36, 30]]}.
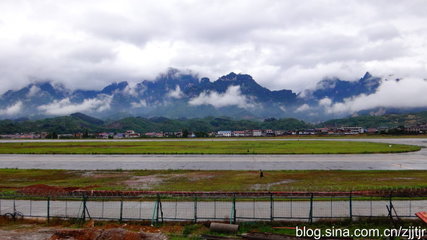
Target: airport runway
{"points": [[395, 161]]}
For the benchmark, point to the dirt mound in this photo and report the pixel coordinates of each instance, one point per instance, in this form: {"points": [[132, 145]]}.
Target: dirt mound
{"points": [[104, 234]]}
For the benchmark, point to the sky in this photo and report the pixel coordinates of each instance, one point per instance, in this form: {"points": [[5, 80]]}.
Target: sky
{"points": [[283, 44]]}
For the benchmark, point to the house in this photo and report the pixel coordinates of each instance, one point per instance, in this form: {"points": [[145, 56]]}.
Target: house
{"points": [[131, 134], [119, 135], [211, 134], [321, 131], [223, 134], [383, 129], [78, 135], [372, 130], [238, 133], [154, 134], [20, 136], [102, 135], [413, 129], [248, 133], [350, 130], [279, 132], [268, 133], [172, 134], [44, 134], [66, 135], [256, 133]]}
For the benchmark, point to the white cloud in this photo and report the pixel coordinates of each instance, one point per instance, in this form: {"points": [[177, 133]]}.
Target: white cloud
{"points": [[12, 110], [325, 102], [231, 97], [34, 90], [303, 108], [130, 91], [176, 93], [406, 93], [65, 106], [141, 103]]}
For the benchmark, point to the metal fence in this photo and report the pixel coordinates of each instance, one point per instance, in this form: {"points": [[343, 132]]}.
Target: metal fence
{"points": [[232, 207]]}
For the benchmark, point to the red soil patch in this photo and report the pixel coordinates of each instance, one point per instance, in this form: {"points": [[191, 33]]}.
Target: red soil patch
{"points": [[46, 190], [42, 189]]}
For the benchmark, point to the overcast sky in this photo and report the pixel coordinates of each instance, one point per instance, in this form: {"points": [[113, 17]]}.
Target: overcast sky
{"points": [[282, 44]]}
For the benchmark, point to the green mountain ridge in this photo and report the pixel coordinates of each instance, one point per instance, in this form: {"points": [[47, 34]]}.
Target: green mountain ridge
{"points": [[79, 122], [388, 120]]}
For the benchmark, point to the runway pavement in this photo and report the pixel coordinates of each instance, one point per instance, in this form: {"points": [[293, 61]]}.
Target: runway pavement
{"points": [[394, 161]]}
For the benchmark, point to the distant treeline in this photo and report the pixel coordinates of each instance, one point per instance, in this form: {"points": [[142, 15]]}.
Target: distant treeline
{"points": [[79, 122]]}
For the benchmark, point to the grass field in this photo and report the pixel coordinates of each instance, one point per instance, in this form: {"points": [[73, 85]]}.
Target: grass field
{"points": [[192, 180], [203, 147]]}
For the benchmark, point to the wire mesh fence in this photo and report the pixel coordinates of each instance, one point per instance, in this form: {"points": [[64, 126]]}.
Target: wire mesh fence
{"points": [[232, 207]]}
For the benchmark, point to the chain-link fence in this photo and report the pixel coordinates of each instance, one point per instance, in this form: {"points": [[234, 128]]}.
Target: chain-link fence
{"points": [[230, 207]]}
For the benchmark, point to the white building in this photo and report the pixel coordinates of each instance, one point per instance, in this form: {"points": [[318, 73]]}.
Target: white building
{"points": [[223, 134]]}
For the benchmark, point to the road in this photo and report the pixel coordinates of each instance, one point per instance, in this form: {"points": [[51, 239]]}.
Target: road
{"points": [[395, 161]]}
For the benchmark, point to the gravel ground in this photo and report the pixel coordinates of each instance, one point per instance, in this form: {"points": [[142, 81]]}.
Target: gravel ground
{"points": [[27, 234]]}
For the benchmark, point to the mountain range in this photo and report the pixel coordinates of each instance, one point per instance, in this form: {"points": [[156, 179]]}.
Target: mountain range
{"points": [[177, 94]]}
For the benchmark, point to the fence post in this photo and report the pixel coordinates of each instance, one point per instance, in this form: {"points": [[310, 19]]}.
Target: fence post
{"points": [[102, 208], [14, 208], [253, 209], [390, 213], [157, 208], [271, 208], [84, 208], [195, 209], [291, 206], [215, 209], [140, 209], [121, 209], [155, 216], [311, 209], [176, 208], [233, 209], [161, 208], [48, 209], [351, 206]]}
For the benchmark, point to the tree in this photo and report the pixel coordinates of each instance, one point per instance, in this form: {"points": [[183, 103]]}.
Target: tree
{"points": [[185, 133], [201, 134], [52, 135], [86, 134]]}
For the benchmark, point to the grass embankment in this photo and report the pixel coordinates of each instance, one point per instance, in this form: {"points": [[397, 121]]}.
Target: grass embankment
{"points": [[203, 147], [192, 180]]}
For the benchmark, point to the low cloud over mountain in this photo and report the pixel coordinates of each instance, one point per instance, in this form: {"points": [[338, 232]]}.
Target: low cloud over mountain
{"points": [[184, 94]]}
